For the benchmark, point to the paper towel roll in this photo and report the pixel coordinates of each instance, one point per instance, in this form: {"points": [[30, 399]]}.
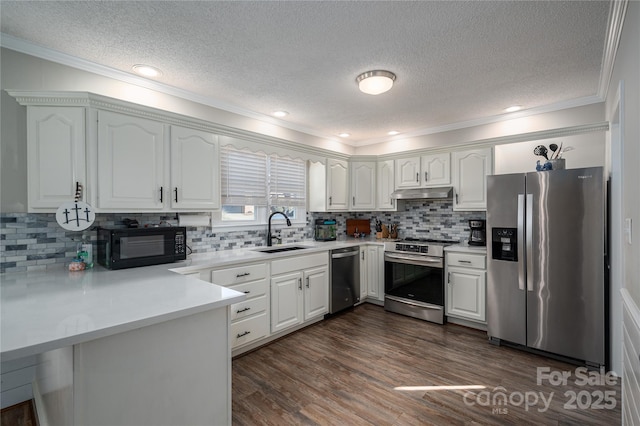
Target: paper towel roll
{"points": [[193, 220]]}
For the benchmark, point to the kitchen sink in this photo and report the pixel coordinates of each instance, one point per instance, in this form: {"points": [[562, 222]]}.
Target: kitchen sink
{"points": [[281, 249]]}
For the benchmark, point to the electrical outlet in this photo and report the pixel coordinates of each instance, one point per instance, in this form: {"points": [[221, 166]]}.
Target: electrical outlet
{"points": [[628, 230]]}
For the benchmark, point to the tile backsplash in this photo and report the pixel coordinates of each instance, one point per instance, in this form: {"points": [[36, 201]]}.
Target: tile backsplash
{"points": [[34, 241]]}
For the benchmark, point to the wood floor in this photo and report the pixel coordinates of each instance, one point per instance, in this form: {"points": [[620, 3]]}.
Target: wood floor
{"points": [[345, 371]]}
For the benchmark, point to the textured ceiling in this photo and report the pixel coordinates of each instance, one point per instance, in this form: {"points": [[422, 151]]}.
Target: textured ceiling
{"points": [[455, 61]]}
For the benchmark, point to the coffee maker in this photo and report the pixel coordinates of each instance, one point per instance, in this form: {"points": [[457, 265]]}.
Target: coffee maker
{"points": [[477, 233]]}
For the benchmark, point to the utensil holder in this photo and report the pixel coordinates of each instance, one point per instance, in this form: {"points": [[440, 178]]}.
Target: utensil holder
{"points": [[557, 164]]}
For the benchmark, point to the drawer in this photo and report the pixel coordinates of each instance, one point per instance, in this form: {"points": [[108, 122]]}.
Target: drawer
{"points": [[249, 329], [253, 288], [239, 274], [467, 260], [248, 307], [299, 263]]}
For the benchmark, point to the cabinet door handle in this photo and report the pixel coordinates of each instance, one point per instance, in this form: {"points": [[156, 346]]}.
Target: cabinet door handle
{"points": [[362, 255], [330, 200], [417, 177], [243, 310], [161, 195], [354, 201], [299, 283], [448, 277], [246, 292], [243, 334], [456, 198], [307, 282], [246, 274], [426, 176], [175, 190]]}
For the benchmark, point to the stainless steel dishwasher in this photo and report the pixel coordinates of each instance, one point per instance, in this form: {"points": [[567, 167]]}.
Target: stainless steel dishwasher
{"points": [[345, 278]]}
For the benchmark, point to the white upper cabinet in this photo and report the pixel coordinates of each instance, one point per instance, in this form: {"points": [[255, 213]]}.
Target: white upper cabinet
{"points": [[131, 166], [385, 185], [195, 171], [436, 169], [337, 185], [425, 171], [55, 155], [408, 173], [363, 185], [470, 171]]}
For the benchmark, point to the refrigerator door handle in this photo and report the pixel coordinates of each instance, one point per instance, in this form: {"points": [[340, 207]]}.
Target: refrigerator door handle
{"points": [[520, 236], [529, 242]]}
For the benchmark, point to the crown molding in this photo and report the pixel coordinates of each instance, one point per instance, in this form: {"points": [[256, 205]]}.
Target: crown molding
{"points": [[92, 100], [22, 46], [617, 12]]}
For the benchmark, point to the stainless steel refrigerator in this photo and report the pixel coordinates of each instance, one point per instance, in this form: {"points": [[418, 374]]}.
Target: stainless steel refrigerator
{"points": [[546, 269]]}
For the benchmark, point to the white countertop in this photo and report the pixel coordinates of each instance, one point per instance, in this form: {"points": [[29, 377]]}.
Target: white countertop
{"points": [[251, 254], [46, 310], [466, 248], [41, 311]]}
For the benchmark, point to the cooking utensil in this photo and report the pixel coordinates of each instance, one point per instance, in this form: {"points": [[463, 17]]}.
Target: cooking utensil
{"points": [[553, 147], [541, 150], [559, 151]]}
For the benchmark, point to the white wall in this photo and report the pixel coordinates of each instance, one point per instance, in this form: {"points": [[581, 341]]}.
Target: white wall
{"points": [[627, 71], [588, 151], [584, 115]]}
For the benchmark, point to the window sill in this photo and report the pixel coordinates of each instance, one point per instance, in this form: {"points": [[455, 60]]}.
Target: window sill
{"points": [[217, 226]]}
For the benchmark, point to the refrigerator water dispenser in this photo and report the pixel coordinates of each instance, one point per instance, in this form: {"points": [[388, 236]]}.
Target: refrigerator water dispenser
{"points": [[504, 243]]}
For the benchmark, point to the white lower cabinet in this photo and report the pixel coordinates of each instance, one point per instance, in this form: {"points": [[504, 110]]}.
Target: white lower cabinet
{"points": [[372, 272], [249, 318], [299, 290], [466, 286]]}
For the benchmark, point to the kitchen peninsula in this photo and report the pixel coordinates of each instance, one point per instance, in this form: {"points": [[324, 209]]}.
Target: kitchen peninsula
{"points": [[137, 346]]}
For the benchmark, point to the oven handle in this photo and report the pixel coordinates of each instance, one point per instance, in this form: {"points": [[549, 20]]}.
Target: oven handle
{"points": [[426, 261]]}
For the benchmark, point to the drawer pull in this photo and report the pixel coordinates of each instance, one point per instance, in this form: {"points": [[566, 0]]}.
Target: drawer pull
{"points": [[464, 261], [246, 291], [239, 335], [242, 310], [246, 274]]}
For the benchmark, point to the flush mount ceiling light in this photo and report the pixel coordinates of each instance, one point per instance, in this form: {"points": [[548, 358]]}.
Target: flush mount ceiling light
{"points": [[344, 135], [393, 132], [280, 114], [146, 70], [375, 82]]}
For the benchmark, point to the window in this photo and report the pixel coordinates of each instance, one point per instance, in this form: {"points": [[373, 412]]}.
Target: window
{"points": [[254, 185]]}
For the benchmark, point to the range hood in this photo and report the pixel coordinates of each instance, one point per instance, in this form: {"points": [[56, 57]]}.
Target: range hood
{"points": [[423, 193]]}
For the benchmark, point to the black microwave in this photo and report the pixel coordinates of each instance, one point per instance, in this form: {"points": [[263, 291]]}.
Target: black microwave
{"points": [[120, 248]]}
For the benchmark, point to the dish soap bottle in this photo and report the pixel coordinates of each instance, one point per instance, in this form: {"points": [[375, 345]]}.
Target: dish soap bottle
{"points": [[85, 251]]}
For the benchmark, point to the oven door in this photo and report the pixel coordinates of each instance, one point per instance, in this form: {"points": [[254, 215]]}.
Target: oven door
{"points": [[414, 286]]}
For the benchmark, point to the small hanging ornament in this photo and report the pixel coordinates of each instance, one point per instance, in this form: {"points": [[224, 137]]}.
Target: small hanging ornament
{"points": [[75, 215]]}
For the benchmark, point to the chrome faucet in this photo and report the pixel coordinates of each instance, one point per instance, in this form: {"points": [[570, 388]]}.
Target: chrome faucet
{"points": [[269, 236]]}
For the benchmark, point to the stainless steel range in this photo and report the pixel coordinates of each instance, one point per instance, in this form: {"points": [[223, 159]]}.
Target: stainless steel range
{"points": [[414, 278]]}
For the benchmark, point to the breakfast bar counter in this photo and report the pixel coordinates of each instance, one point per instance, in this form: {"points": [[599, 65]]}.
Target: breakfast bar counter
{"points": [[115, 347]]}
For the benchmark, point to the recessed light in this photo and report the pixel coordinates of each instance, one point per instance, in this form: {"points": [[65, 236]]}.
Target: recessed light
{"points": [[513, 108], [393, 133], [146, 70], [344, 135], [280, 114]]}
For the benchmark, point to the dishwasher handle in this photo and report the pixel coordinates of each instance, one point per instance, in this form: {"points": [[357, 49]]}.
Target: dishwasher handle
{"points": [[345, 254]]}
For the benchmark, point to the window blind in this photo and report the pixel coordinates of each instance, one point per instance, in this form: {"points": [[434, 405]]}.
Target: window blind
{"points": [[286, 182], [243, 177]]}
